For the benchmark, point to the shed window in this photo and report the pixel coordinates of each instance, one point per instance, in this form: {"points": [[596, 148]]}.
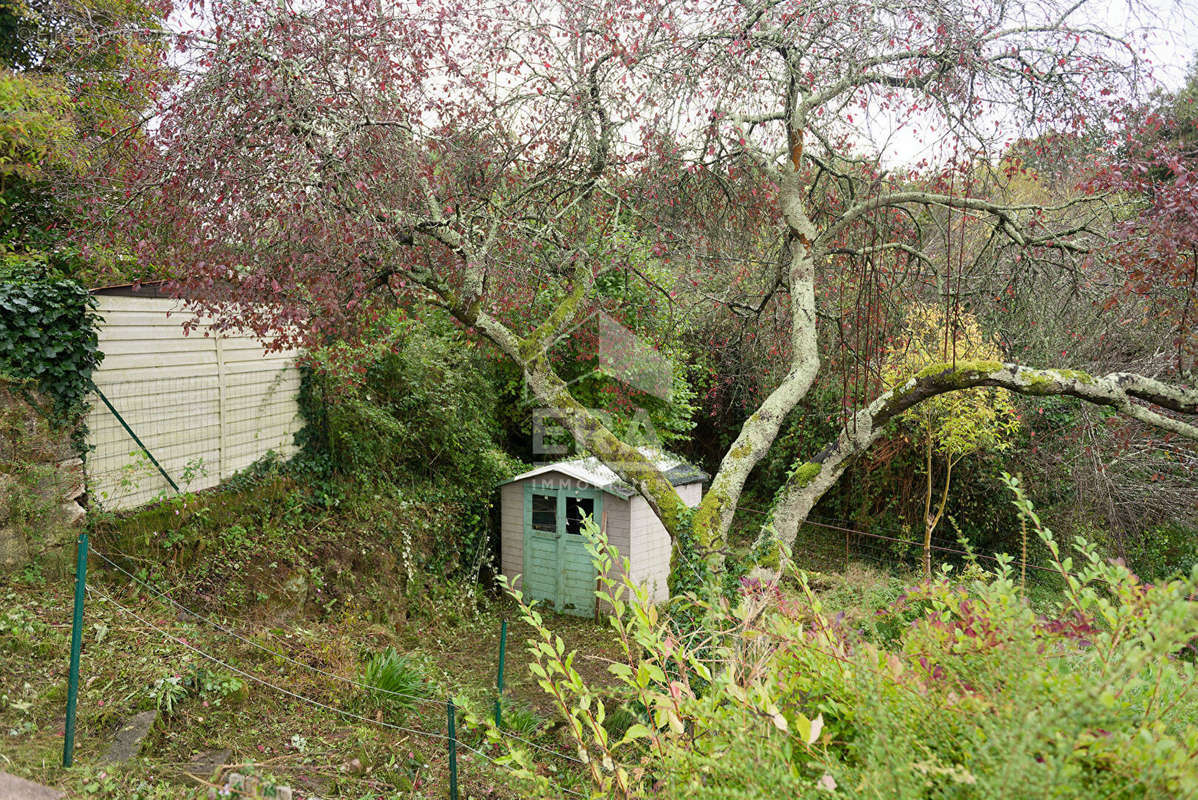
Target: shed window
{"points": [[544, 512], [576, 507]]}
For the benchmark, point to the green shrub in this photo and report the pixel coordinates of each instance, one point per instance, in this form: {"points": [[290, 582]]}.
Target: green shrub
{"points": [[48, 335], [215, 686], [411, 408], [1164, 551], [168, 693], [975, 694], [409, 403], [200, 683], [396, 682]]}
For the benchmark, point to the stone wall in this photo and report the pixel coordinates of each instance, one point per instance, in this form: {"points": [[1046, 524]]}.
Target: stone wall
{"points": [[41, 484]]}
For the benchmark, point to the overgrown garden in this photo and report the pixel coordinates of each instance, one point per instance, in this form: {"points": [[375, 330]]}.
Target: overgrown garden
{"points": [[915, 285]]}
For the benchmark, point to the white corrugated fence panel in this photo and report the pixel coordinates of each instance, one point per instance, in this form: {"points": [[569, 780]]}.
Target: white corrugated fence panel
{"points": [[204, 406]]}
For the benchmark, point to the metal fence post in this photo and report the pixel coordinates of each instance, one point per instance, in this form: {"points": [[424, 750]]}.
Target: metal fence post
{"points": [[137, 439], [453, 754], [499, 677], [68, 744]]}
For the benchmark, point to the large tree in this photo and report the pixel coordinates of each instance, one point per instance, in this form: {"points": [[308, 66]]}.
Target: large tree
{"points": [[320, 162], [74, 77]]}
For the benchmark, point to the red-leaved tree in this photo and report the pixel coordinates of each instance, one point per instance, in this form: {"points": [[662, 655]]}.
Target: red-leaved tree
{"points": [[1157, 246], [321, 161]]}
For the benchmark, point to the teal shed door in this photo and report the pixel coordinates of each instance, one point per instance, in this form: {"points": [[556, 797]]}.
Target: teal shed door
{"points": [[557, 568]]}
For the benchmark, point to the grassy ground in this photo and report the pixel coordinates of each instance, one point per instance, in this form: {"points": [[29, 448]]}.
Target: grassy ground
{"points": [[329, 576], [356, 598], [128, 665]]}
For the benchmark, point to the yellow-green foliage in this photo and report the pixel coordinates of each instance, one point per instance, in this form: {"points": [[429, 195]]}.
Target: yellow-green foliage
{"points": [[962, 421], [36, 125], [104, 53]]}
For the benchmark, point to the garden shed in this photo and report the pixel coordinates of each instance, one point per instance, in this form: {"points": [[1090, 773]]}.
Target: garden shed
{"points": [[541, 540]]}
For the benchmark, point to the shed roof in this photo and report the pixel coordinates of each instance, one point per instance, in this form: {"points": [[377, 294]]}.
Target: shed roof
{"points": [[590, 470], [153, 289]]}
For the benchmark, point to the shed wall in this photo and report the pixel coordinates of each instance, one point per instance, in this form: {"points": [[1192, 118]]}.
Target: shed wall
{"points": [[691, 493], [511, 530], [217, 404], [651, 543]]}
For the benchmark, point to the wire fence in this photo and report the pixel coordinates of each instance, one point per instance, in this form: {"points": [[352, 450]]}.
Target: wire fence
{"points": [[836, 542], [848, 543], [449, 738], [937, 546], [166, 432]]}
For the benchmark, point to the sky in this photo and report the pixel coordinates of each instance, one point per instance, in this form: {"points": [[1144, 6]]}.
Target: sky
{"points": [[1173, 33], [1166, 33], [1173, 43]]}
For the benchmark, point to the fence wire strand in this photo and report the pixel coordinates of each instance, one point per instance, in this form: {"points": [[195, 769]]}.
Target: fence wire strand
{"points": [[324, 673], [256, 678], [882, 552], [304, 698], [256, 645]]}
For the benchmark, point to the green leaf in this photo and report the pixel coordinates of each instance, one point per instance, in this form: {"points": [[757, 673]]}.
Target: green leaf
{"points": [[622, 671], [634, 732]]}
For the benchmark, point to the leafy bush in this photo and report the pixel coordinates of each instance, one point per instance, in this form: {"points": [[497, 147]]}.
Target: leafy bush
{"points": [[168, 693], [48, 335], [215, 686], [410, 409], [198, 682], [1164, 551], [409, 403], [396, 682], [977, 695]]}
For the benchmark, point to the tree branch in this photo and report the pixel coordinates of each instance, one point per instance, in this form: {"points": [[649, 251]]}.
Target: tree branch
{"points": [[1118, 390]]}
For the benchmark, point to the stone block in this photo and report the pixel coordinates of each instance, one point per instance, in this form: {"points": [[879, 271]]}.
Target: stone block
{"points": [[129, 738], [14, 788], [71, 474], [72, 512], [14, 550]]}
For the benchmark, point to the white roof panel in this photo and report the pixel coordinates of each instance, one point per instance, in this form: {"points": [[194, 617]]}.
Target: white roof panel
{"points": [[592, 471]]}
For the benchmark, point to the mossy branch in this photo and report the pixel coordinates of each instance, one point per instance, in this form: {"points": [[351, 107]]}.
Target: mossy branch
{"points": [[1124, 392]]}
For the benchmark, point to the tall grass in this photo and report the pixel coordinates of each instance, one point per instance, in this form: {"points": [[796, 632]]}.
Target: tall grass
{"points": [[397, 683]]}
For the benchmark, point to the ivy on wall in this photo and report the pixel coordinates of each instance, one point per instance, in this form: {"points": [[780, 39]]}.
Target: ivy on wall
{"points": [[48, 335]]}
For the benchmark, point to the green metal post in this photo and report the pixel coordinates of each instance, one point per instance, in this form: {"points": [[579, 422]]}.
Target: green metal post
{"points": [[453, 755], [499, 678], [68, 744], [140, 444]]}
